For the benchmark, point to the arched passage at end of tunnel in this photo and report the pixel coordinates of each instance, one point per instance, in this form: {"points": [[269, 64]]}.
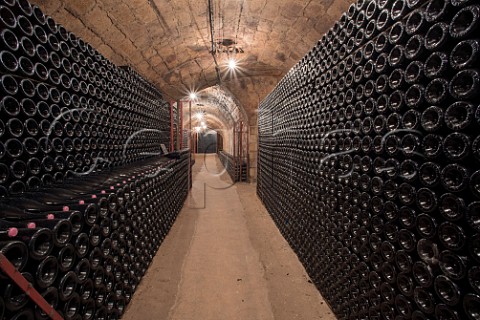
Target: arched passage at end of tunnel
{"points": [[218, 109], [210, 122]]}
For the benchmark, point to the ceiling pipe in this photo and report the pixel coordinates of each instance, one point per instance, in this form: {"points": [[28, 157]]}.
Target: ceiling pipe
{"points": [[210, 16]]}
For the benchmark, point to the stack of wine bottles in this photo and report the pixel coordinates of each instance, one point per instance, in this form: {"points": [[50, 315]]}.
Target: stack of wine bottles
{"points": [[85, 245], [65, 108], [369, 153], [85, 196], [236, 170]]}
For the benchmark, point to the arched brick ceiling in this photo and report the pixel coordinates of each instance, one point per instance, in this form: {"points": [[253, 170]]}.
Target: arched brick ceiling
{"points": [[169, 41], [212, 117], [224, 100], [218, 106], [212, 122]]}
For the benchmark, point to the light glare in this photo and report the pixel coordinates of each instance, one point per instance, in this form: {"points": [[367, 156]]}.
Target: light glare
{"points": [[232, 64]]}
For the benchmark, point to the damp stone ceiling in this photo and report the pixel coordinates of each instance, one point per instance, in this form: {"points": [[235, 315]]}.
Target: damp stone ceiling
{"points": [[169, 42]]}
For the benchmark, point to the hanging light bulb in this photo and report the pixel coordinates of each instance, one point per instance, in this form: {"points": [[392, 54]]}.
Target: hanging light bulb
{"points": [[232, 64], [199, 115], [193, 96]]}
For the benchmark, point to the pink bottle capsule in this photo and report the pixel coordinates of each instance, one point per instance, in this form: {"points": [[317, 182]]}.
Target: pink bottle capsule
{"points": [[12, 232]]}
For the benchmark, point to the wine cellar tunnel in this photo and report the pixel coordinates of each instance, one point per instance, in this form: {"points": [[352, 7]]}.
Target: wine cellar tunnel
{"points": [[240, 159]]}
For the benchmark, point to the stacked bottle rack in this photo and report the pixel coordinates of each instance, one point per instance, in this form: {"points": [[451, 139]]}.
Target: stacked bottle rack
{"points": [[65, 107], [369, 151], [236, 170], [86, 197], [86, 244]]}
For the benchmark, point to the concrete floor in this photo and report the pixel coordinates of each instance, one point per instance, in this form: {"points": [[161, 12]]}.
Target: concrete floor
{"points": [[225, 259]]}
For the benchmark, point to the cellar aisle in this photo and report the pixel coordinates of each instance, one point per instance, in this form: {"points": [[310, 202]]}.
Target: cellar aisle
{"points": [[225, 259]]}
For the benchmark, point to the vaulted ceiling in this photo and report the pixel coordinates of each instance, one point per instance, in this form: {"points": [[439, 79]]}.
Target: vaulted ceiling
{"points": [[169, 42]]}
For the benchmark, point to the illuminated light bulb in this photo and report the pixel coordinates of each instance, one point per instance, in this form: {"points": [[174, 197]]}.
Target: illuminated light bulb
{"points": [[203, 124], [197, 129], [199, 116], [193, 96], [232, 64]]}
